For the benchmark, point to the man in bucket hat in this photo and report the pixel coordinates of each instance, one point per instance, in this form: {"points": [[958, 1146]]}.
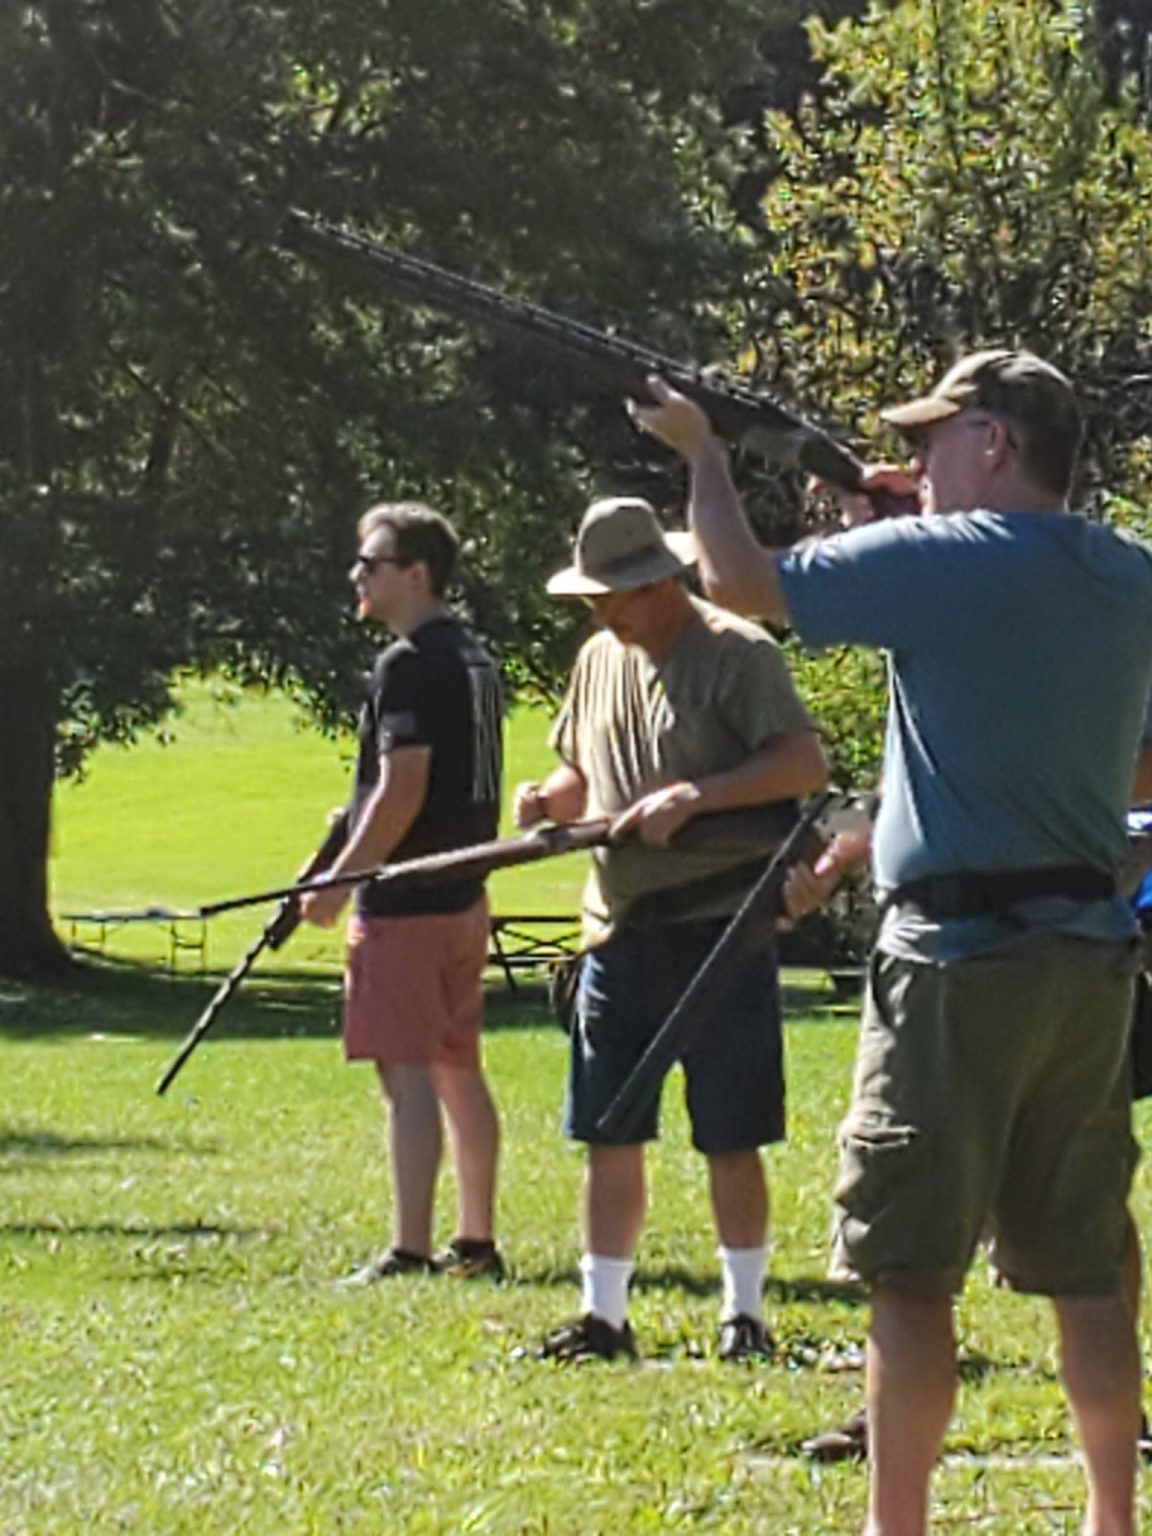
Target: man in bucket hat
{"points": [[674, 708], [992, 1083]]}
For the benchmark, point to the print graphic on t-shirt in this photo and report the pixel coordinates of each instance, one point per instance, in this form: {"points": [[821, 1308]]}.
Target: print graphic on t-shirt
{"points": [[484, 686]]}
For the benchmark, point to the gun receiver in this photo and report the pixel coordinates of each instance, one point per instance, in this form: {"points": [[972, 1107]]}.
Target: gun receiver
{"points": [[604, 364]]}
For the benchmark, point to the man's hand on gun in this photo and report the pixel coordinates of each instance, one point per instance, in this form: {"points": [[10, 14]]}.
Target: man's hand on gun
{"points": [[654, 819], [657, 817], [675, 420], [682, 425], [323, 908], [810, 886], [856, 508], [897, 483]]}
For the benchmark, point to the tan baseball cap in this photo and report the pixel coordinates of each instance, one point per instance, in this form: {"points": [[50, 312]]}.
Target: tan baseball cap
{"points": [[621, 545], [1018, 385]]}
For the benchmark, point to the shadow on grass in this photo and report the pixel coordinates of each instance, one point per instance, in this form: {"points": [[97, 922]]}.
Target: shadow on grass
{"points": [[814, 1288], [674, 1277], [973, 1367], [137, 998], [16, 1144], [645, 1278], [114, 1229]]}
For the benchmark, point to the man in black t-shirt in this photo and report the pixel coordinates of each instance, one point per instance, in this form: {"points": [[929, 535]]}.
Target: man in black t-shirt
{"points": [[427, 779]]}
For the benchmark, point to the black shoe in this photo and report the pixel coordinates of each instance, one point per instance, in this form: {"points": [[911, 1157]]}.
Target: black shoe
{"points": [[588, 1338], [745, 1338], [386, 1266], [469, 1258], [847, 1442], [1144, 1440]]}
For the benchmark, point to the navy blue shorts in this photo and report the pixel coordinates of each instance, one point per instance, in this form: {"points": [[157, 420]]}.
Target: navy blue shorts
{"points": [[734, 1073]]}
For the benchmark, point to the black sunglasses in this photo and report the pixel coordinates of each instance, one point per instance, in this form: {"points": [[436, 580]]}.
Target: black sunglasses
{"points": [[368, 563]]}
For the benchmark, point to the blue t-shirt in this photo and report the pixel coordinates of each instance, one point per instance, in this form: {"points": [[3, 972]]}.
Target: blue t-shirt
{"points": [[1020, 662]]}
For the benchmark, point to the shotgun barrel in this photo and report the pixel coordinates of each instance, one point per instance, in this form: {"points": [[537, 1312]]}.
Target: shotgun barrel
{"points": [[600, 363]]}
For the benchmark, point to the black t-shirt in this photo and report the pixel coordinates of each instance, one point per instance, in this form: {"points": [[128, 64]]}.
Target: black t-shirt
{"points": [[435, 688]]}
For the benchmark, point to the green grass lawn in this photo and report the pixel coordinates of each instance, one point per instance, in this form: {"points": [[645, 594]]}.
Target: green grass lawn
{"points": [[235, 803], [176, 1359]]}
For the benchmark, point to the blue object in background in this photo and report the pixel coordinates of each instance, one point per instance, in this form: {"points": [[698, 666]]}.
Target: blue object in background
{"points": [[1140, 825]]}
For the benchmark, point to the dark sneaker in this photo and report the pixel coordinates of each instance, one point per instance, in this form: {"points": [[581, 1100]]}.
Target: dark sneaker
{"points": [[588, 1338], [467, 1258], [1144, 1440], [847, 1442], [745, 1338], [386, 1266]]}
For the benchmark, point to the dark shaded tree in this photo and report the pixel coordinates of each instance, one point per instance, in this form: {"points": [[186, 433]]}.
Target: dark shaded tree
{"points": [[193, 416]]}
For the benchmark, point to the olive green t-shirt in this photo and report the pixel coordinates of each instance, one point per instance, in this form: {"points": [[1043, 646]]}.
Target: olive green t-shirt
{"points": [[631, 724]]}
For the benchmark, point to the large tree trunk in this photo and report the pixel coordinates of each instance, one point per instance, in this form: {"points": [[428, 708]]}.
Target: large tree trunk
{"points": [[28, 945]]}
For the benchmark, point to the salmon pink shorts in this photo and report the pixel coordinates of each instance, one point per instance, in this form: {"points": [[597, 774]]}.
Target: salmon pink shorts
{"points": [[414, 988]]}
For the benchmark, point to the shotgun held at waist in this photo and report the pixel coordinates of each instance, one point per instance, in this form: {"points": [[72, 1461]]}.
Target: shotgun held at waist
{"points": [[746, 832], [603, 364]]}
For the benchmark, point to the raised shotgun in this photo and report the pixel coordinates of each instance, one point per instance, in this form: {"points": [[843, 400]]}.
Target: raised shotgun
{"points": [[600, 363]]}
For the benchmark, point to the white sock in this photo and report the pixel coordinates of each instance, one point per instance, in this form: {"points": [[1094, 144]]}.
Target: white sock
{"points": [[742, 1271], [604, 1287]]}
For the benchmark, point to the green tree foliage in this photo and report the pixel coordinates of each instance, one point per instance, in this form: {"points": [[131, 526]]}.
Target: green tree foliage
{"points": [[193, 417], [960, 179]]}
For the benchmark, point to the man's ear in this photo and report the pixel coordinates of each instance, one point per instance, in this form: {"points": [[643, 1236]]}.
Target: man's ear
{"points": [[1001, 442]]}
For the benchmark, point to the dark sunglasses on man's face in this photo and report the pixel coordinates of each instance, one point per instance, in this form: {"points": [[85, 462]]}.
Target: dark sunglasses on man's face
{"points": [[368, 563]]}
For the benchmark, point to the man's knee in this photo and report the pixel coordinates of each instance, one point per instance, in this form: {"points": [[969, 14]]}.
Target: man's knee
{"points": [[404, 1082], [745, 1161], [738, 1171], [610, 1162]]}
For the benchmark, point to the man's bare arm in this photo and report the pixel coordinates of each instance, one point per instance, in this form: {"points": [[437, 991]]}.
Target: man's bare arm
{"points": [[737, 571], [561, 797], [389, 812]]}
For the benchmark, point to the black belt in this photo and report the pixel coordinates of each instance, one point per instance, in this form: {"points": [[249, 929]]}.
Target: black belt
{"points": [[983, 893], [677, 903]]}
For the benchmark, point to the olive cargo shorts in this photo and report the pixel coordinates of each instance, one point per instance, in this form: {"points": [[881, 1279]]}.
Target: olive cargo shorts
{"points": [[991, 1098]]}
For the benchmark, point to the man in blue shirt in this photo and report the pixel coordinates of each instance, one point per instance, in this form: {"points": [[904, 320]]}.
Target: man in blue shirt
{"points": [[991, 1089]]}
